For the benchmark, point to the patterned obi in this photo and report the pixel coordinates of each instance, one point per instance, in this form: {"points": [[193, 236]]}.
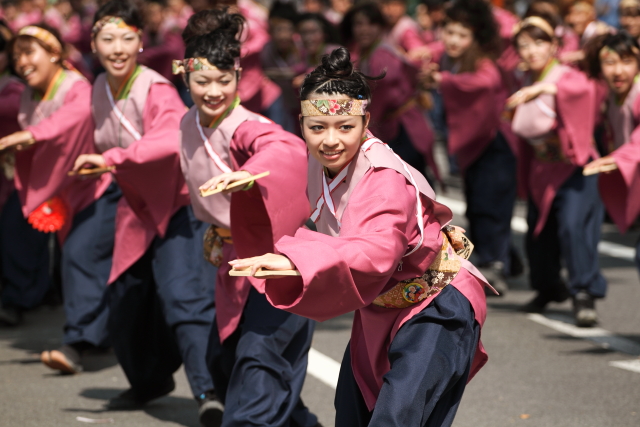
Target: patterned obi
{"points": [[439, 274], [548, 149], [214, 240]]}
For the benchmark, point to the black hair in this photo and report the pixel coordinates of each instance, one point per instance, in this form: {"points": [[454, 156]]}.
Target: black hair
{"points": [[328, 29], [126, 10], [370, 10], [535, 32], [629, 10], [434, 4], [5, 35], [215, 35], [478, 17], [285, 11], [621, 43], [337, 76]]}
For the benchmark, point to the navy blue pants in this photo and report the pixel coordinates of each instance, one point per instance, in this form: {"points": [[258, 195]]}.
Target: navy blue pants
{"points": [[490, 189], [280, 114], [24, 258], [571, 234], [86, 263], [431, 357], [162, 309], [404, 148], [259, 370]]}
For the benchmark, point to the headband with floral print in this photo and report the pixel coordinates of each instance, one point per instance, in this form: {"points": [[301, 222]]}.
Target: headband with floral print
{"points": [[43, 35], [334, 107], [189, 65], [535, 21], [116, 20]]}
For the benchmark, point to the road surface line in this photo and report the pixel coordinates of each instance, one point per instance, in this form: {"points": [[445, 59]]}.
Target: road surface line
{"points": [[519, 225], [602, 337], [323, 368], [629, 365]]}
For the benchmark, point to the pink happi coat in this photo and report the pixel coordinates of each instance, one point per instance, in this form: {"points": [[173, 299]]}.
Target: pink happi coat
{"points": [[620, 189], [509, 58], [146, 169], [569, 115], [391, 95], [10, 91], [406, 34], [276, 205], [63, 129], [474, 102], [363, 251], [256, 91]]}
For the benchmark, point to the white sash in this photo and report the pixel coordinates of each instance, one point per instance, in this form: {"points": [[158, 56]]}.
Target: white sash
{"points": [[327, 189], [123, 120], [210, 151]]}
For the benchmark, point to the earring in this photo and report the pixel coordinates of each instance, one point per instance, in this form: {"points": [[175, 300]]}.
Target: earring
{"points": [[94, 51], [53, 59], [141, 50]]}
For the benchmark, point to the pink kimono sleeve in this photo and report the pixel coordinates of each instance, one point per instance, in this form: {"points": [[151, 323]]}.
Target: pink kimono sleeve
{"points": [[9, 108], [345, 273], [473, 116], [620, 189], [277, 205], [148, 171], [576, 108], [41, 171], [411, 39]]}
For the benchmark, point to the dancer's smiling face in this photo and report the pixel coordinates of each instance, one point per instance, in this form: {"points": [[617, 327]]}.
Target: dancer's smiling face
{"points": [[213, 91]]}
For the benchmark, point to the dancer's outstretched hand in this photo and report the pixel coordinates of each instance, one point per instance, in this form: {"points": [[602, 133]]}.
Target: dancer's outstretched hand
{"points": [[225, 179], [266, 261]]}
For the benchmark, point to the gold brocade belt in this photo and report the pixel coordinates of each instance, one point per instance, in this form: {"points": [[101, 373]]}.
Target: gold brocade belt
{"points": [[439, 274], [214, 240], [550, 150]]}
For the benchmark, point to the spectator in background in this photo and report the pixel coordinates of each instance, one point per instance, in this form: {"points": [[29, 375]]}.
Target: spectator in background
{"points": [[630, 17], [282, 56], [318, 38], [430, 16], [404, 33], [607, 11], [162, 43], [324, 8]]}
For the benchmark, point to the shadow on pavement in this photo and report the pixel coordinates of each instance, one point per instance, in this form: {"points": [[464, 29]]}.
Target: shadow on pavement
{"points": [[179, 410]]}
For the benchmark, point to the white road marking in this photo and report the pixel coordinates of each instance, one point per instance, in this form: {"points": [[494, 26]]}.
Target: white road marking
{"points": [[629, 365], [323, 368], [519, 225], [601, 337]]}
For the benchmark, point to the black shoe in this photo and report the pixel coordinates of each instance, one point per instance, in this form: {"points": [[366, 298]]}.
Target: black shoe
{"points": [[10, 316], [517, 266], [584, 310], [210, 409], [130, 400], [540, 301], [494, 273]]}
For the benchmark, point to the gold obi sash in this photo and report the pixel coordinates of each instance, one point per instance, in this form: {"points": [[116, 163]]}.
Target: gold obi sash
{"points": [[549, 149], [214, 240], [439, 274]]}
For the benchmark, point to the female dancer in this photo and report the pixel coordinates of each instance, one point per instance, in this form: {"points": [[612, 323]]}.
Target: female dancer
{"points": [[616, 58], [380, 251], [251, 342], [555, 114], [396, 115], [55, 114], [481, 141], [160, 308]]}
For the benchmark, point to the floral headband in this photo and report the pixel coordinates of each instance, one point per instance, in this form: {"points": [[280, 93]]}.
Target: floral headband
{"points": [[189, 65], [43, 35], [334, 107], [117, 21], [535, 21]]}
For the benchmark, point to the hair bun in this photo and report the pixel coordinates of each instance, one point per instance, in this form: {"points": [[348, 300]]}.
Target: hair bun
{"points": [[337, 64]]}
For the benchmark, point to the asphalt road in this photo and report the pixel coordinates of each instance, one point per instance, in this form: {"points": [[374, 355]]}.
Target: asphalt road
{"points": [[541, 372]]}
